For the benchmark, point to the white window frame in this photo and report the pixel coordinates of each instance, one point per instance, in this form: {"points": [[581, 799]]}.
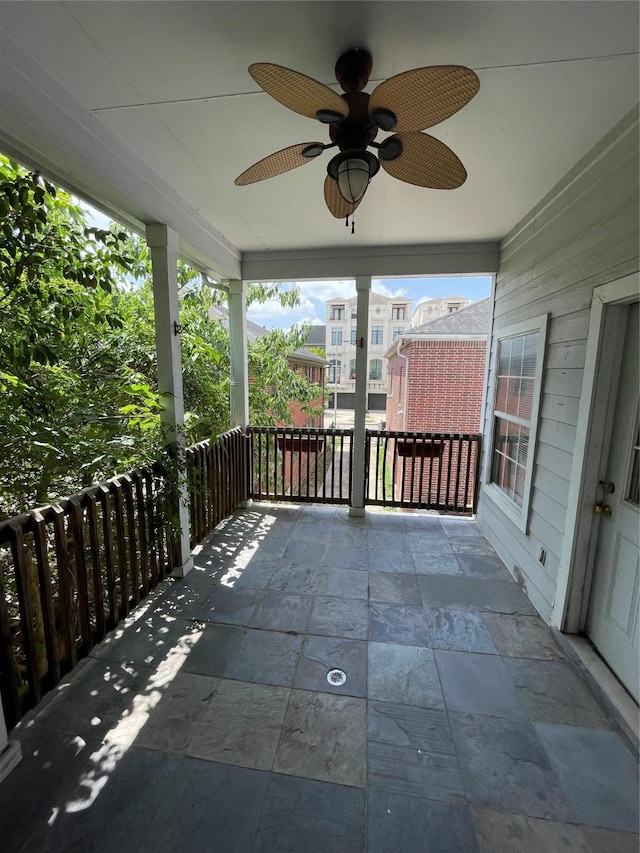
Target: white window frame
{"points": [[375, 330], [519, 515], [377, 361]]}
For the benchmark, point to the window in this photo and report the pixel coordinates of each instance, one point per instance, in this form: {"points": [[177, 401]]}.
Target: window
{"points": [[375, 368], [397, 312], [337, 312], [352, 369], [335, 366], [397, 331], [336, 336], [376, 334], [310, 374], [353, 335], [518, 371]]}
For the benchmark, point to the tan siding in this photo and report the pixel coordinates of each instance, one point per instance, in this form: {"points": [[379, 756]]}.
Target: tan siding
{"points": [[584, 234]]}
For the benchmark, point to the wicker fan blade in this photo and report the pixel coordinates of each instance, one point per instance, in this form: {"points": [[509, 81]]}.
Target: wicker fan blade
{"points": [[338, 207], [275, 164], [425, 96], [426, 162], [296, 91]]}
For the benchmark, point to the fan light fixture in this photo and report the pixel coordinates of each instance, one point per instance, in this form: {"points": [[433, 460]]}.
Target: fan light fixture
{"points": [[352, 171], [404, 105]]}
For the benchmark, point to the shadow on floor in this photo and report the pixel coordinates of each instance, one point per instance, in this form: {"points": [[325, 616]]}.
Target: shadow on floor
{"points": [[207, 722]]}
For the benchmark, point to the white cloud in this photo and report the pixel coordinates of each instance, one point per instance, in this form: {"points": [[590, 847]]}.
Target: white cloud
{"points": [[380, 287], [324, 290]]}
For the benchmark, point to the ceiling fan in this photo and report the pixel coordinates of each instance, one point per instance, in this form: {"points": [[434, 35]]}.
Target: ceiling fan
{"points": [[403, 105]]}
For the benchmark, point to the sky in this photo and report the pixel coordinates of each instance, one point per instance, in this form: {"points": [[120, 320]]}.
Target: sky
{"points": [[313, 295]]}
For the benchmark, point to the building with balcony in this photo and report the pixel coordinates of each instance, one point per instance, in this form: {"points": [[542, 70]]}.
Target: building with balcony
{"points": [[388, 318]]}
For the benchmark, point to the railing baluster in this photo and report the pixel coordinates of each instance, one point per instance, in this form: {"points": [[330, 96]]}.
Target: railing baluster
{"points": [[96, 579], [105, 503], [67, 622], [75, 521], [458, 464], [26, 609], [426, 447], [384, 471], [142, 534], [413, 470], [132, 542], [9, 695], [449, 462], [435, 447], [46, 599], [440, 460], [121, 548]]}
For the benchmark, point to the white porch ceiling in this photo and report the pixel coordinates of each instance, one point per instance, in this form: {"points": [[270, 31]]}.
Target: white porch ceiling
{"points": [[165, 88]]}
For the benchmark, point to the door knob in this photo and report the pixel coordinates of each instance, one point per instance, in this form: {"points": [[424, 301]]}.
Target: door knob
{"points": [[607, 487], [602, 509]]}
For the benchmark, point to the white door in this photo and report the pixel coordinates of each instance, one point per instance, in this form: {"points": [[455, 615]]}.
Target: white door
{"points": [[612, 623]]}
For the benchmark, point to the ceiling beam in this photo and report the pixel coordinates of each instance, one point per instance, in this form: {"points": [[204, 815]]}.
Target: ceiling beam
{"points": [[377, 261]]}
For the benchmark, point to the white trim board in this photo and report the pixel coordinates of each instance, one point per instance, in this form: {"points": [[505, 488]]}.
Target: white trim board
{"points": [[599, 387], [481, 258]]}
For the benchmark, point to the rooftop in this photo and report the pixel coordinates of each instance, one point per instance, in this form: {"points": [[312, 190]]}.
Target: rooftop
{"points": [[472, 320]]}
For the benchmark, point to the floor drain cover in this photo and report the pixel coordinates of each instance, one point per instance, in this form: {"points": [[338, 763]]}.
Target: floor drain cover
{"points": [[336, 677]]}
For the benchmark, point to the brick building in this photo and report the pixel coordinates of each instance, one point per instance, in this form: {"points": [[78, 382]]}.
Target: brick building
{"points": [[435, 384]]}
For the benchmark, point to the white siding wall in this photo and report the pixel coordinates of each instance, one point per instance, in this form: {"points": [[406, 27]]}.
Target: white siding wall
{"points": [[582, 235]]}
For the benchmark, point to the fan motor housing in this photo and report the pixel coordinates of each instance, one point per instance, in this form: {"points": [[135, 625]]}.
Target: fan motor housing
{"points": [[357, 130]]}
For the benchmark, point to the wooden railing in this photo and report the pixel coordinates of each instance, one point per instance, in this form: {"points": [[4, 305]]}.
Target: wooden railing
{"points": [[423, 470], [218, 481], [300, 464], [69, 572]]}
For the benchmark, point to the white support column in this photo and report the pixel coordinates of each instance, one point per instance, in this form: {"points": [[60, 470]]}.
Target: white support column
{"points": [[10, 752], [363, 288], [239, 354], [239, 368], [163, 243]]}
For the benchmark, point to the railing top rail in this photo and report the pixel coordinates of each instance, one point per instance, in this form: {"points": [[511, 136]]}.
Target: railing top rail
{"points": [[48, 511], [423, 435], [274, 430]]}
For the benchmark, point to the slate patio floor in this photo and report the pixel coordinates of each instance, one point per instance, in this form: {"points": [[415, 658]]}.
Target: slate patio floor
{"points": [[207, 722]]}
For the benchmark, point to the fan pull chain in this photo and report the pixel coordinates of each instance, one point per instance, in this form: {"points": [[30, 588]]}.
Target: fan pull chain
{"points": [[346, 222], [353, 225]]}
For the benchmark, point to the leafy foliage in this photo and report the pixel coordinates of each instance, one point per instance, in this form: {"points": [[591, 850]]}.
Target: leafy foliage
{"points": [[78, 389]]}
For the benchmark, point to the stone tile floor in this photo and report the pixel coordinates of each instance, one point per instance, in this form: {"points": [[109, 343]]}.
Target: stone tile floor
{"points": [[207, 723]]}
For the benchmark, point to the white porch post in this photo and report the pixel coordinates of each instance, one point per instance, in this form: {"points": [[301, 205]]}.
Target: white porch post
{"points": [[163, 243], [363, 288], [239, 355], [10, 752], [240, 370]]}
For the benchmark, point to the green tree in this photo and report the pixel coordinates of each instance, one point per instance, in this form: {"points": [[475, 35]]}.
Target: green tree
{"points": [[78, 387]]}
